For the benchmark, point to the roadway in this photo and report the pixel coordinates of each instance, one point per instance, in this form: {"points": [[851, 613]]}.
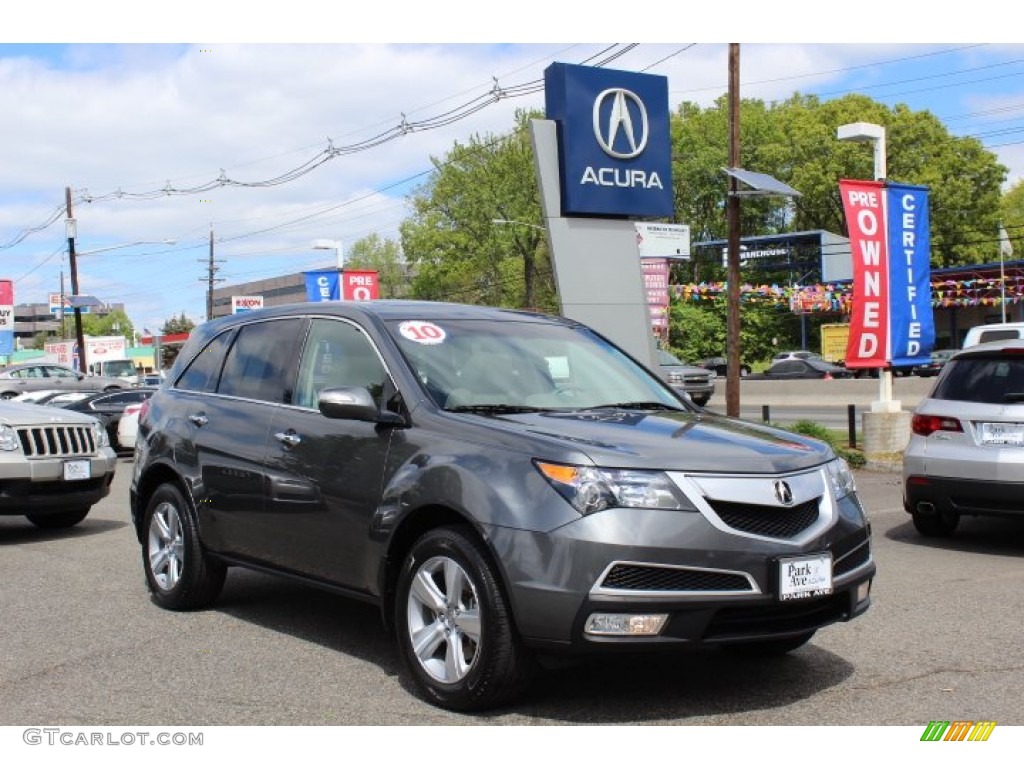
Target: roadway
{"points": [[825, 402]]}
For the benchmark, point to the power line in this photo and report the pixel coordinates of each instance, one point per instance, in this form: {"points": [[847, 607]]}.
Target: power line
{"points": [[405, 126]]}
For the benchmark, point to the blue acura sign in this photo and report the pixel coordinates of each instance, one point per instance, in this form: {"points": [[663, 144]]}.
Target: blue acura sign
{"points": [[614, 140]]}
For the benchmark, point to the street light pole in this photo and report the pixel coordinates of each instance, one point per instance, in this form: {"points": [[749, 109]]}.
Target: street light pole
{"points": [[876, 135], [332, 245]]}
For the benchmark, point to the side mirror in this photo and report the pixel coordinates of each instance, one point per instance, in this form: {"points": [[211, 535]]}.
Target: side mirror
{"points": [[354, 403]]}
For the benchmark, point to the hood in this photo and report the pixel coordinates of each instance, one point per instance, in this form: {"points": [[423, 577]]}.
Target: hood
{"points": [[673, 441], [27, 414]]}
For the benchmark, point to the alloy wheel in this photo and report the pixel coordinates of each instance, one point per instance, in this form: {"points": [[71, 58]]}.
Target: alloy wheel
{"points": [[166, 546], [443, 612]]}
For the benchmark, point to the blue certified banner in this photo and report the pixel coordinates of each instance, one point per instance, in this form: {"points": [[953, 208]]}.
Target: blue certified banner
{"points": [[615, 150], [323, 285], [911, 322]]}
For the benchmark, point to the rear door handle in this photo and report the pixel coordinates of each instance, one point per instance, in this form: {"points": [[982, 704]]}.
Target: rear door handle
{"points": [[199, 419], [290, 438]]}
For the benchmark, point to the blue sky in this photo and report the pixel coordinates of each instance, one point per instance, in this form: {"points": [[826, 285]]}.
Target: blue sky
{"points": [[121, 122]]}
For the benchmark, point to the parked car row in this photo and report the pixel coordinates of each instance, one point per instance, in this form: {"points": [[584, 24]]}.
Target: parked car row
{"points": [[107, 407], [804, 364]]}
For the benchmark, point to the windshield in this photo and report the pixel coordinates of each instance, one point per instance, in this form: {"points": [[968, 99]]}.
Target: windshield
{"points": [[522, 365], [118, 368]]}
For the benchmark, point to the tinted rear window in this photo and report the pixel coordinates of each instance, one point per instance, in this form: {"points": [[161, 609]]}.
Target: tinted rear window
{"points": [[982, 380], [998, 335], [204, 371], [258, 366]]}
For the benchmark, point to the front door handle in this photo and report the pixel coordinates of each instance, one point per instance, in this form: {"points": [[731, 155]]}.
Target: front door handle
{"points": [[199, 419], [290, 438]]}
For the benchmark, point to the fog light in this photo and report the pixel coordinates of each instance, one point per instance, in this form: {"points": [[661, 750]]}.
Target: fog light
{"points": [[863, 590], [634, 624]]}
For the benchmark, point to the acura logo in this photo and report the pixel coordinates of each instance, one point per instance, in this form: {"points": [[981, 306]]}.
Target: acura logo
{"points": [[619, 126], [783, 492]]}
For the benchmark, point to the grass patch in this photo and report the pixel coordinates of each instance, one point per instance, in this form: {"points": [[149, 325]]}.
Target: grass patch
{"points": [[834, 437]]}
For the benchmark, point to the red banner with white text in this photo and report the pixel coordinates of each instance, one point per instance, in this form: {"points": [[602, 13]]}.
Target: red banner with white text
{"points": [[864, 206], [360, 285]]}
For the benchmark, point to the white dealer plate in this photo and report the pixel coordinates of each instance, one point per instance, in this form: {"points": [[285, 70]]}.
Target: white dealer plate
{"points": [[806, 576], [77, 469], [1002, 433]]}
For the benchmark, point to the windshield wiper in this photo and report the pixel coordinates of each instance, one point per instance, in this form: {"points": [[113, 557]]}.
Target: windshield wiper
{"points": [[496, 408], [1014, 397], [652, 405]]}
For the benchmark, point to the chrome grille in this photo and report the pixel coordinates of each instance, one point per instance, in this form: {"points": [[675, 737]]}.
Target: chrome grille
{"points": [[57, 441], [647, 578], [772, 521]]}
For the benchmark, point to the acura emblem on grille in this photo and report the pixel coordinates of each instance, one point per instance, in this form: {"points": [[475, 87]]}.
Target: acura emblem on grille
{"points": [[783, 492]]}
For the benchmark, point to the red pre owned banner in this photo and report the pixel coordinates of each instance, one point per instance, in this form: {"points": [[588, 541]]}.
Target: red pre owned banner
{"points": [[359, 285], [864, 206]]}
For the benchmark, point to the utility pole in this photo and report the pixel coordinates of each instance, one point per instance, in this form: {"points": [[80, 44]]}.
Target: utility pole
{"points": [[732, 380], [211, 270], [72, 230]]}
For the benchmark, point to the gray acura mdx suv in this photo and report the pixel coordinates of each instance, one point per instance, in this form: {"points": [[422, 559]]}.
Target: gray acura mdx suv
{"points": [[505, 486]]}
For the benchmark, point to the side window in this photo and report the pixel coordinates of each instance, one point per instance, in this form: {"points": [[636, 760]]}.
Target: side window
{"points": [[56, 373], [121, 398], [337, 354], [203, 372], [258, 365]]}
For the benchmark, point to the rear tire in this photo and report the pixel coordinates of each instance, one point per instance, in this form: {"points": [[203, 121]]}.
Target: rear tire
{"points": [[180, 574], [60, 519], [937, 524], [454, 624]]}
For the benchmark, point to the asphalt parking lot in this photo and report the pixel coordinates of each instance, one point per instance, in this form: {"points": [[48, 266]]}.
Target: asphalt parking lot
{"points": [[81, 644]]}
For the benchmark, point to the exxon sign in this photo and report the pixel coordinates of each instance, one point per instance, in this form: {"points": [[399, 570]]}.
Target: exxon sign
{"points": [[241, 304], [614, 140]]}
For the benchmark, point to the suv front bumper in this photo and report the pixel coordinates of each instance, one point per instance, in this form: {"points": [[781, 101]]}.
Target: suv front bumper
{"points": [[32, 486], [715, 586]]}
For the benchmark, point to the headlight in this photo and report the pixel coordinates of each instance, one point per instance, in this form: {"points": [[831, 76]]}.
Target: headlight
{"points": [[841, 477], [592, 489], [100, 435], [8, 438]]}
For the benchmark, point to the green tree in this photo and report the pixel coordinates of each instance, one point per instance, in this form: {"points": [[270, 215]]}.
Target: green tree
{"points": [[115, 323], [697, 329], [384, 256], [169, 353], [458, 252], [795, 141]]}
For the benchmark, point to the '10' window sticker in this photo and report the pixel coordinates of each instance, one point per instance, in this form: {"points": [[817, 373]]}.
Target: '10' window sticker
{"points": [[422, 332]]}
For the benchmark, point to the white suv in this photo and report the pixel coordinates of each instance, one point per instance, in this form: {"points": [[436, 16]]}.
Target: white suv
{"points": [[54, 464], [966, 450]]}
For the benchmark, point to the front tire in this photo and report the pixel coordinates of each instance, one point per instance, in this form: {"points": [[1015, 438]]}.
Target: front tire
{"points": [[60, 519], [454, 624], [180, 574]]}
